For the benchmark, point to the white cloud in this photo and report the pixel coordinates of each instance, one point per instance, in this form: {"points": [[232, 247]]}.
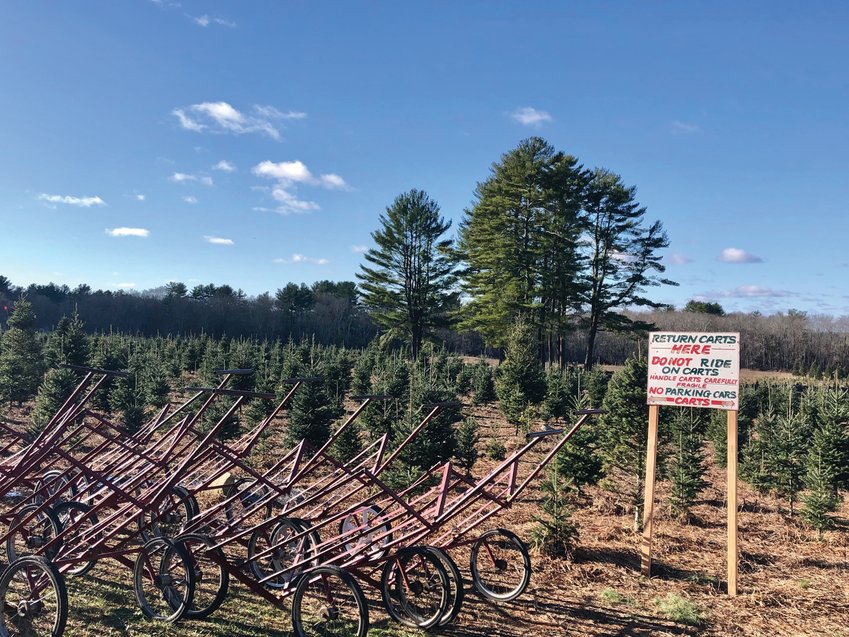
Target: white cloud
{"points": [[187, 122], [529, 116], [224, 166], [205, 21], [677, 259], [288, 171], [125, 286], [272, 113], [82, 202], [190, 199], [290, 174], [139, 197], [218, 241], [683, 128], [746, 292], [359, 249], [221, 117], [289, 203], [128, 232], [736, 255], [333, 182], [181, 178], [300, 258]]}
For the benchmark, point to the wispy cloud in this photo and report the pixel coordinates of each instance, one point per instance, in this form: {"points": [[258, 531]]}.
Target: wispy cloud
{"points": [[744, 292], [224, 166], [676, 258], [289, 175], [736, 255], [190, 199], [684, 128], [205, 21], [300, 258], [218, 241], [181, 178], [359, 249], [221, 117], [128, 232], [82, 202], [529, 116], [139, 197]]}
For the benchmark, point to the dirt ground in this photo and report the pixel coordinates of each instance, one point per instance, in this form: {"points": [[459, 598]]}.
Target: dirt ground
{"points": [[791, 582]]}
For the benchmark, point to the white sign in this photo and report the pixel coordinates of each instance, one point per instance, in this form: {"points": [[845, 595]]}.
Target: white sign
{"points": [[694, 369]]}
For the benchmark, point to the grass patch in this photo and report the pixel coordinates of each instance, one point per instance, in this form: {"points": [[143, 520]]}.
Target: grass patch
{"points": [[679, 609], [612, 596]]}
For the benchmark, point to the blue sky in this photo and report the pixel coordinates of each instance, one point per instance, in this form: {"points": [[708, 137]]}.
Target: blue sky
{"points": [[256, 143]]}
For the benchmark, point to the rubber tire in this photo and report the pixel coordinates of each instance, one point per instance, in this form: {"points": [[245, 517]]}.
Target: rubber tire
{"points": [[384, 528], [60, 508], [138, 574], [456, 586], [147, 523], [526, 559], [223, 578], [11, 556], [348, 580], [56, 581], [408, 619]]}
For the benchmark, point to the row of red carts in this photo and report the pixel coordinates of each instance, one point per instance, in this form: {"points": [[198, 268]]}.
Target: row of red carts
{"points": [[186, 513]]}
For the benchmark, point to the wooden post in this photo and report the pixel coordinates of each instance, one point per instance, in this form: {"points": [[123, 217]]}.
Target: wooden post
{"points": [[648, 498], [732, 503]]}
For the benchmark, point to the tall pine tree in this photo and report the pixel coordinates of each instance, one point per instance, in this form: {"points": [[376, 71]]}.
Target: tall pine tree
{"points": [[409, 287]]}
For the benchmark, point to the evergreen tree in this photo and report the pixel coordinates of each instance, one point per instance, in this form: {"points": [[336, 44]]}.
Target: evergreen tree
{"points": [[311, 413], [348, 445], [686, 469], [623, 433], [622, 256], [821, 500], [775, 458], [67, 344], [483, 383], [556, 534], [520, 242], [409, 289], [127, 398], [468, 438], [20, 356], [54, 391], [521, 380], [558, 399], [578, 461]]}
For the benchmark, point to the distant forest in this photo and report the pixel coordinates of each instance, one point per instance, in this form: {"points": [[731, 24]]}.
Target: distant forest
{"points": [[331, 314]]}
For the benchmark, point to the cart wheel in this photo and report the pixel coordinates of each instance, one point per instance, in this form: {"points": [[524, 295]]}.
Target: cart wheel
{"points": [[172, 517], [249, 493], [28, 536], [456, 586], [51, 483], [274, 549], [77, 513], [371, 537], [163, 580], [415, 588], [328, 601], [212, 580], [500, 565], [33, 599]]}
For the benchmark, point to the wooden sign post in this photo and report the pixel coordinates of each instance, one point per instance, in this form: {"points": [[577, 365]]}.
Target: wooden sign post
{"points": [[689, 369]]}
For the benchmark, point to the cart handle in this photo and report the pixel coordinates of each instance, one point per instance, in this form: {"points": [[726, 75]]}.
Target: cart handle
{"points": [[233, 392], [235, 372], [373, 397], [95, 370]]}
